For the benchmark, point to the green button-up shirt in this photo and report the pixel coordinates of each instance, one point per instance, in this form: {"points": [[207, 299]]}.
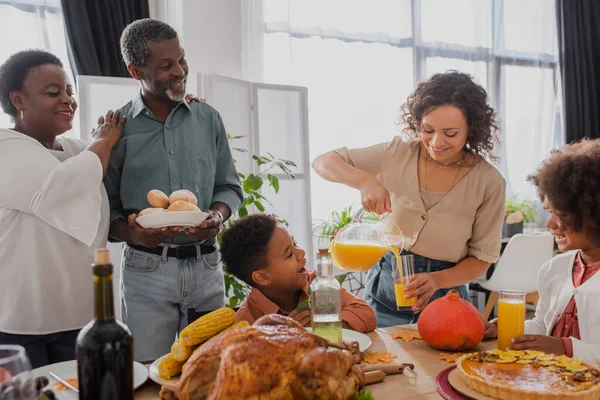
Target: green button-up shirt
{"points": [[189, 151]]}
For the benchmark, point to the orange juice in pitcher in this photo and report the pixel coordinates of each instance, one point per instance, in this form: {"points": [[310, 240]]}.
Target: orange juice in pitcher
{"points": [[357, 255], [360, 245]]}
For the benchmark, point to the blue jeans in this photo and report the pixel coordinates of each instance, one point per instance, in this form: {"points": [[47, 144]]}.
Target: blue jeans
{"points": [[45, 349], [156, 293], [379, 290]]}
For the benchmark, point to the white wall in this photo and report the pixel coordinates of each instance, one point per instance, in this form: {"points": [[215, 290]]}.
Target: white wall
{"points": [[211, 31]]}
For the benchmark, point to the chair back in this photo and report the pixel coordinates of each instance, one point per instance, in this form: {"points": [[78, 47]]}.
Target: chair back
{"points": [[520, 263]]}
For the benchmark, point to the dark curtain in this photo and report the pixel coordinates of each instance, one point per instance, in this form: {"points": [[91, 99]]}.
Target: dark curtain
{"points": [[579, 47], [94, 28]]}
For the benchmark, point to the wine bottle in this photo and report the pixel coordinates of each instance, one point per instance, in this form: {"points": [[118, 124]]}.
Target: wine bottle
{"points": [[105, 345], [326, 301]]}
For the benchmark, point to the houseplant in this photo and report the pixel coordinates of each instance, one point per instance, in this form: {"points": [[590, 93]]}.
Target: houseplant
{"points": [[235, 290], [517, 212]]}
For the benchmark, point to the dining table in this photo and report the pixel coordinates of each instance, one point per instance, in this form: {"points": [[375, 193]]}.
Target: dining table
{"points": [[419, 383]]}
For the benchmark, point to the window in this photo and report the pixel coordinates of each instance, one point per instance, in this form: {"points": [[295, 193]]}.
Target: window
{"points": [[32, 24], [361, 59]]}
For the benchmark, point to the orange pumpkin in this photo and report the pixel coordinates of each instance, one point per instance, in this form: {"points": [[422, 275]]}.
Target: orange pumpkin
{"points": [[451, 323]]}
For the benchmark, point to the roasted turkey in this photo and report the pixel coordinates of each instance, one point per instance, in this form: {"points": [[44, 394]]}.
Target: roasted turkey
{"points": [[274, 359]]}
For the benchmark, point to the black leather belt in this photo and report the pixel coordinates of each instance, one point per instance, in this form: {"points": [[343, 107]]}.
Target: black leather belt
{"points": [[181, 252]]}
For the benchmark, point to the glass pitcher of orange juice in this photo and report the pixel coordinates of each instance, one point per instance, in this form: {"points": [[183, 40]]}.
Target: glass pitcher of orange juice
{"points": [[360, 245]]}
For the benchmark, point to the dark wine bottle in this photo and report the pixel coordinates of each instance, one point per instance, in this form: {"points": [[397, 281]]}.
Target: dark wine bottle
{"points": [[105, 345]]}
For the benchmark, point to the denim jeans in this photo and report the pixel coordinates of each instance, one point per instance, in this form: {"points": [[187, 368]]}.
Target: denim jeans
{"points": [[379, 289], [156, 293], [45, 349]]}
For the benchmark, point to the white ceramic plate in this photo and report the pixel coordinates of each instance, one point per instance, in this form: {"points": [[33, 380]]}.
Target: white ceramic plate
{"points": [[364, 342], [68, 369], [154, 375], [172, 218]]}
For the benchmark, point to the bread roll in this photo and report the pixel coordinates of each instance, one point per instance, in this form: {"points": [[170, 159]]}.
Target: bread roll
{"points": [[182, 206], [151, 210], [158, 199], [183, 195]]}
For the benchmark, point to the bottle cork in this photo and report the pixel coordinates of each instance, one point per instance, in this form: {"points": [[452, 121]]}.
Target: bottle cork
{"points": [[102, 257]]}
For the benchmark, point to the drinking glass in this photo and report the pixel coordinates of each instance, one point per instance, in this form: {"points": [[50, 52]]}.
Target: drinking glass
{"points": [[15, 374], [511, 316], [403, 274]]}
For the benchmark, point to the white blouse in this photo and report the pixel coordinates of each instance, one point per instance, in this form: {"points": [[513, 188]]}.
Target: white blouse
{"points": [[53, 215], [555, 286]]}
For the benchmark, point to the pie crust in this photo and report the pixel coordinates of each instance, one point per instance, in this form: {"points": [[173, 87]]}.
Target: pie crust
{"points": [[529, 375]]}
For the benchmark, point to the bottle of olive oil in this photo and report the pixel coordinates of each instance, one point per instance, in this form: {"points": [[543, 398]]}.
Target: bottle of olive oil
{"points": [[105, 345], [326, 301]]}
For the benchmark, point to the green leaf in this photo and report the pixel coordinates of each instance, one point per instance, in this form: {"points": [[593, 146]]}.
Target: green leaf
{"points": [[242, 176], [233, 301], [239, 150], [290, 163], [364, 394], [243, 212], [234, 137], [227, 285], [341, 278], [260, 160], [249, 200], [252, 183], [259, 205], [302, 306], [274, 182]]}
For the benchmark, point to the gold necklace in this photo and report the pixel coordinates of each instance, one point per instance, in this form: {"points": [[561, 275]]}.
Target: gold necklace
{"points": [[442, 165]]}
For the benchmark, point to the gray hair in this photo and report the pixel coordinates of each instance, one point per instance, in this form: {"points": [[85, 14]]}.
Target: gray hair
{"points": [[135, 37]]}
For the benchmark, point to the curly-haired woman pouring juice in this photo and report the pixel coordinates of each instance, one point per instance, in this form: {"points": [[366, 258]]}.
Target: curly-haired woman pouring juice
{"points": [[438, 188]]}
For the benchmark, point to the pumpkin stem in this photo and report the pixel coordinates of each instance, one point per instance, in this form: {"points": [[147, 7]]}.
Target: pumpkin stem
{"points": [[454, 294]]}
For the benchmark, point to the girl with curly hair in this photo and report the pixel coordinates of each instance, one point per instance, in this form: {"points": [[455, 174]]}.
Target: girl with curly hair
{"points": [[566, 319], [438, 188]]}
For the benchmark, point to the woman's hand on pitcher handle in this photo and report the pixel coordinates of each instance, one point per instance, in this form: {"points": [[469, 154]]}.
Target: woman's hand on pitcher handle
{"points": [[375, 197]]}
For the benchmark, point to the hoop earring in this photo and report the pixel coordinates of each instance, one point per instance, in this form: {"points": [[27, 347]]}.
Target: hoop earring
{"points": [[22, 115]]}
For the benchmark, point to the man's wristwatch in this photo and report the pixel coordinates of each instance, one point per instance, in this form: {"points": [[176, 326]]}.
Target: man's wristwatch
{"points": [[219, 214]]}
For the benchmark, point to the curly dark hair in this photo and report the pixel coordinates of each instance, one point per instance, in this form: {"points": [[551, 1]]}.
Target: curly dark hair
{"points": [[244, 245], [14, 71], [457, 89], [569, 180]]}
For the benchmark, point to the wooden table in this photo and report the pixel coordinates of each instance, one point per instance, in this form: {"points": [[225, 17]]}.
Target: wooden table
{"points": [[417, 384]]}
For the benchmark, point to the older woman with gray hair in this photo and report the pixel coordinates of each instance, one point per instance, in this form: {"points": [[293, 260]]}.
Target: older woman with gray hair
{"points": [[53, 208]]}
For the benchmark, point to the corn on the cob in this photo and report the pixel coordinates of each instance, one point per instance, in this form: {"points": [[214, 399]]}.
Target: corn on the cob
{"points": [[240, 324], [207, 326], [169, 367], [180, 351]]}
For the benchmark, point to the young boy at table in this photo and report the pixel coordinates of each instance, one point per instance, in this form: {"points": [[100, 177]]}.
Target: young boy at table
{"points": [[567, 320], [261, 252]]}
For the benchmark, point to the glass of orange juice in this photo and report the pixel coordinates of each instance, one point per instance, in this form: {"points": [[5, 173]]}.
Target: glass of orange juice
{"points": [[511, 316], [403, 270]]}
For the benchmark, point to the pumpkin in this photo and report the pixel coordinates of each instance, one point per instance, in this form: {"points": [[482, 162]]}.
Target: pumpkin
{"points": [[451, 323]]}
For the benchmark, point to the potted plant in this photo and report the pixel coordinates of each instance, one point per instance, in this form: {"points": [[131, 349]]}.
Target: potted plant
{"points": [[517, 213]]}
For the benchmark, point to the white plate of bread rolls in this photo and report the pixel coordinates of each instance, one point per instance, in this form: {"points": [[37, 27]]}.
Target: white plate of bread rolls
{"points": [[178, 209]]}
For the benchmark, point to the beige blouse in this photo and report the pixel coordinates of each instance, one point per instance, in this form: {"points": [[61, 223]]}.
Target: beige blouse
{"points": [[467, 221]]}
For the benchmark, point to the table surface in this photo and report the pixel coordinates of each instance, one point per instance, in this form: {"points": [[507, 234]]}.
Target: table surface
{"points": [[417, 384]]}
